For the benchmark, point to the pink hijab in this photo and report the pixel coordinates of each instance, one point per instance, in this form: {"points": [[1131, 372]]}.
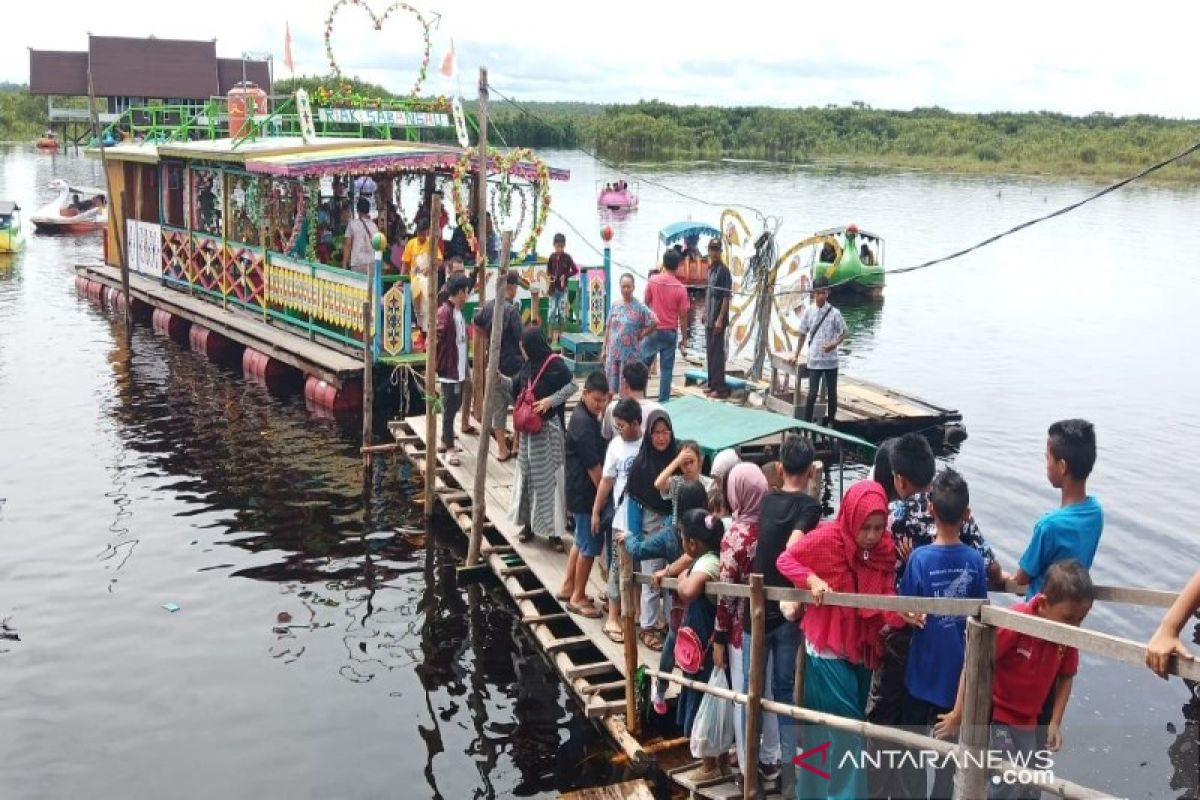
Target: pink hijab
{"points": [[747, 488]]}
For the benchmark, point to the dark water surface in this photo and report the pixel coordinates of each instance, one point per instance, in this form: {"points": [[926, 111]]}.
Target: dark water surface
{"points": [[310, 661]]}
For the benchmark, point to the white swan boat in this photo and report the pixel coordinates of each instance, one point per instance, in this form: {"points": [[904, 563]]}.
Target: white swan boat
{"points": [[76, 209]]}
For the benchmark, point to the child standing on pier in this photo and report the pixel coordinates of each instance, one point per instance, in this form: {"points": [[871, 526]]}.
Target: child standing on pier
{"points": [[560, 268], [702, 533], [1073, 529], [618, 461], [1026, 670], [945, 568], [451, 360]]}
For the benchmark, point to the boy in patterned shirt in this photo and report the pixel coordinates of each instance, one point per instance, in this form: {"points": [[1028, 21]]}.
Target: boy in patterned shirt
{"points": [[912, 525]]}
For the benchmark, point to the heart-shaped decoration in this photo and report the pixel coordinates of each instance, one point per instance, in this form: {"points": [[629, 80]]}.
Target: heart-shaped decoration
{"points": [[377, 21]]}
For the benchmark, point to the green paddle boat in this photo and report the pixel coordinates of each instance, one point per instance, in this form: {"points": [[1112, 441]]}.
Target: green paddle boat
{"points": [[851, 259]]}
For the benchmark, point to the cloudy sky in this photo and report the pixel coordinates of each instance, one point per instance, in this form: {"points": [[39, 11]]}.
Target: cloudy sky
{"points": [[1017, 55]]}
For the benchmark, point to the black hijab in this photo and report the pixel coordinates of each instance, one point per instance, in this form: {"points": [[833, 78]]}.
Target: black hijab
{"points": [[537, 351], [649, 463]]}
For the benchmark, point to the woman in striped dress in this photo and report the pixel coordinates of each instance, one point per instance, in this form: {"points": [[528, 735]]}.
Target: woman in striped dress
{"points": [[539, 502]]}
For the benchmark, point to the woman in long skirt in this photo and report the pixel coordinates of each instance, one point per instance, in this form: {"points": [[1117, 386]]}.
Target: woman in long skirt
{"points": [[539, 504]]}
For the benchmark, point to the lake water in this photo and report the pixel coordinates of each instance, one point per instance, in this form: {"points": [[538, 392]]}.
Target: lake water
{"points": [[309, 660]]}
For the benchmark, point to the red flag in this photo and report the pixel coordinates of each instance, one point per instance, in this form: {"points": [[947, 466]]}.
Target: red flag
{"points": [[448, 61], [287, 50]]}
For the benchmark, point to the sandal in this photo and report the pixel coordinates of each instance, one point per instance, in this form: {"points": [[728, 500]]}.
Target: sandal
{"points": [[525, 535], [586, 610], [651, 640], [453, 460], [615, 636], [509, 457], [470, 430], [557, 544]]}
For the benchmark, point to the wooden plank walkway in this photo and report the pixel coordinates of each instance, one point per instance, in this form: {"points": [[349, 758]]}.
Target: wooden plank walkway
{"points": [[587, 659], [629, 790], [292, 347]]}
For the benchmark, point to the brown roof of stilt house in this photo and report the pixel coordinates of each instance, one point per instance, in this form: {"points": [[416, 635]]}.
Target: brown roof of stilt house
{"points": [[124, 66], [58, 72]]}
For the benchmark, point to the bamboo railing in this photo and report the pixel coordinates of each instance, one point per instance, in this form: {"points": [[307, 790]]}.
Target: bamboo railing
{"points": [[983, 621]]}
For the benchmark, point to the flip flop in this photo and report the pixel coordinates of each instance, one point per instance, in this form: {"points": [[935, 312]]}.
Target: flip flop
{"points": [[500, 460], [557, 544], [588, 611], [453, 460], [616, 636], [470, 430]]}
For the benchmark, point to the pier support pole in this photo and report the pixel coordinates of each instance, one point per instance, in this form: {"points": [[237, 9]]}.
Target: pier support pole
{"points": [[758, 668], [431, 387], [971, 779], [478, 501], [368, 390], [629, 634], [477, 369]]}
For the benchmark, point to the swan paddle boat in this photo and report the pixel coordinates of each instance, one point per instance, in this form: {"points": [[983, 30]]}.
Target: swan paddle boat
{"points": [[617, 196], [12, 238], [851, 259], [48, 142], [76, 209]]}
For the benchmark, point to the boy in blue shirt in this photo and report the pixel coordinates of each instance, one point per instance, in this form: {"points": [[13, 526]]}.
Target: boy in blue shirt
{"points": [[945, 568], [1073, 529]]}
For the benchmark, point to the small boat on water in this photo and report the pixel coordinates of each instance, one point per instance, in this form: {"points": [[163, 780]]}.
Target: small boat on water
{"points": [[851, 259], [48, 142], [12, 238], [685, 235], [76, 209], [617, 196]]}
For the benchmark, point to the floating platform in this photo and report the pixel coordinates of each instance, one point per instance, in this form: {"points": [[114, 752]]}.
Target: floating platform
{"points": [[322, 360]]}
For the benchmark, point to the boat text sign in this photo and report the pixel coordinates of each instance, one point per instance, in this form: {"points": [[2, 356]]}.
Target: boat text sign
{"points": [[143, 243], [384, 116]]}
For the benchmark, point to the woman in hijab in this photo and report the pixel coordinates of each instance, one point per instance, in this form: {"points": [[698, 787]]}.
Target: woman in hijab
{"points": [[659, 449], [853, 553], [539, 505], [747, 487]]}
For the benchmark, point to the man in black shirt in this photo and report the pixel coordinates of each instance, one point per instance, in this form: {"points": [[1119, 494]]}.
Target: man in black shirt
{"points": [[511, 360], [585, 449], [716, 320], [784, 511]]}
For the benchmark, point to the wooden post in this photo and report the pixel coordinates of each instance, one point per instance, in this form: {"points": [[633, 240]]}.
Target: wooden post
{"points": [[368, 388], [113, 219], [477, 369], [431, 431], [629, 633], [971, 779], [758, 670], [478, 502], [125, 261]]}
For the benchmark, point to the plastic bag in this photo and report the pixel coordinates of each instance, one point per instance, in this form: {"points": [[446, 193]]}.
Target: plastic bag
{"points": [[712, 730]]}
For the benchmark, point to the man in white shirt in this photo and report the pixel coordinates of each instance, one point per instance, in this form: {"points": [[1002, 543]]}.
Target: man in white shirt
{"points": [[823, 326]]}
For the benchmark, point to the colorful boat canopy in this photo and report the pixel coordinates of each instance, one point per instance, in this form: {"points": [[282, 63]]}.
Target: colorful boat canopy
{"points": [[382, 157], [677, 231], [839, 230], [717, 426]]}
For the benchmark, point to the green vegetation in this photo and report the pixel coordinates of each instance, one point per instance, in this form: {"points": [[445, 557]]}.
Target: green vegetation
{"points": [[22, 116], [1098, 145]]}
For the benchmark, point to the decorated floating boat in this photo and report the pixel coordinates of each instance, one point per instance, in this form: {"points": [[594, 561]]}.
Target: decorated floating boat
{"points": [[76, 209], [48, 141], [12, 238], [851, 259], [617, 196]]}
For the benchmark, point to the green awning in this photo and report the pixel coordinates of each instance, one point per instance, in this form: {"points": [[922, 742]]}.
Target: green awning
{"points": [[717, 426]]}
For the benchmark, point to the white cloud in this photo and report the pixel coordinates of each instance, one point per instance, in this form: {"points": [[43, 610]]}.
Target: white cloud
{"points": [[1022, 55]]}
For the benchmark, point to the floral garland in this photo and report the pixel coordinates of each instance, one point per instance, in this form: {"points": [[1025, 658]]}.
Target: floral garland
{"points": [[314, 199], [344, 96], [506, 162], [378, 22], [503, 210]]}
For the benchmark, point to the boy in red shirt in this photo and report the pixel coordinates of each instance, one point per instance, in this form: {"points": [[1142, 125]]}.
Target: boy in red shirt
{"points": [[1026, 669]]}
